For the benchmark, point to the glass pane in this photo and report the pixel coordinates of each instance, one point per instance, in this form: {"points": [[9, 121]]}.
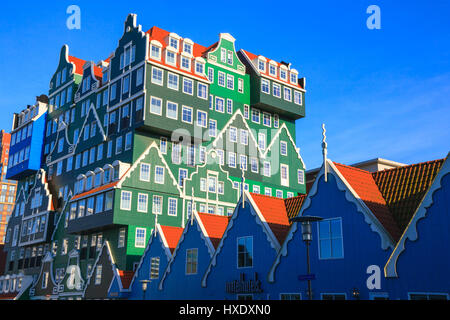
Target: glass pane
{"points": [[325, 249], [336, 245], [336, 228], [324, 230]]}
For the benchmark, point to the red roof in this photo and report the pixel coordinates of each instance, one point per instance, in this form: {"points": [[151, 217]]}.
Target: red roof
{"points": [[215, 226], [274, 212], [160, 35], [293, 205], [79, 63], [365, 187], [92, 191], [8, 296], [126, 277], [252, 57], [172, 235]]}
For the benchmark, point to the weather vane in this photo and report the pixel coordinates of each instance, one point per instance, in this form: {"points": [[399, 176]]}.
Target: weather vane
{"points": [[324, 150]]}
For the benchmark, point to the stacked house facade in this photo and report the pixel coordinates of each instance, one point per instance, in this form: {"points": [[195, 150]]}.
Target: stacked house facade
{"points": [[162, 128]]}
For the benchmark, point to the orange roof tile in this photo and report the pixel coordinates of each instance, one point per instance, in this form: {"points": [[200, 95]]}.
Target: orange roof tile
{"points": [[93, 191], [293, 205], [274, 212], [79, 63], [172, 236], [364, 185], [159, 34], [215, 226], [126, 277], [403, 188]]}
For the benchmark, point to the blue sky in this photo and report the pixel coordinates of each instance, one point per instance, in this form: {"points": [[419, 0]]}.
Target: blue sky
{"points": [[381, 93]]}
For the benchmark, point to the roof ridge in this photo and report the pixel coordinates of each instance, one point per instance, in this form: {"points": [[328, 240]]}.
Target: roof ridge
{"points": [[351, 167], [409, 166]]}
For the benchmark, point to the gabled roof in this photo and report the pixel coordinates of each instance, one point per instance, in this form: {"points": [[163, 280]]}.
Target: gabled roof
{"points": [[126, 277], [275, 214], [403, 188], [293, 205], [170, 236], [364, 185], [214, 226], [160, 35]]}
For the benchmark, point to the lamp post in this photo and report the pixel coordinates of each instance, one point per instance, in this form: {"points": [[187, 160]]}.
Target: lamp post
{"points": [[144, 287], [307, 237]]}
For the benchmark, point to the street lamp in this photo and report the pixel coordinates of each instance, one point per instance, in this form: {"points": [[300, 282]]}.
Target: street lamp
{"points": [[307, 237], [144, 287]]}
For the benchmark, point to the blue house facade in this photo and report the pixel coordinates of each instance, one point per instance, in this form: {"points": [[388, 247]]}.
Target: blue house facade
{"points": [[419, 266], [27, 136], [349, 246]]}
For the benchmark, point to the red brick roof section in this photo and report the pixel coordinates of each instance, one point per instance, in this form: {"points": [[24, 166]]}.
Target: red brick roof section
{"points": [[365, 187], [404, 188], [126, 277], [274, 212], [172, 236], [293, 205], [160, 35], [215, 226]]}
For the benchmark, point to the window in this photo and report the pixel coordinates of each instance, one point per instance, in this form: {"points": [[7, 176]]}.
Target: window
{"points": [[254, 165], [279, 194], [262, 141], [202, 91], [261, 65], [139, 76], [191, 261], [171, 57], [155, 52], [112, 93], [287, 94], [232, 159], [290, 296], [245, 252], [187, 47], [229, 106], [172, 207], [298, 97], [139, 241], [256, 189], [142, 202], [182, 174], [276, 121], [221, 79], [240, 85], [211, 74], [301, 176], [188, 86], [44, 280], [199, 67], [98, 274], [157, 205], [427, 296], [185, 63], [283, 148], [333, 296], [163, 145], [266, 171], [246, 111], [145, 172], [212, 128], [157, 76], [159, 175], [267, 119], [255, 115], [119, 145], [232, 134], [99, 203], [126, 84], [220, 104], [201, 118], [330, 239], [272, 69], [223, 55], [154, 268], [186, 114], [172, 81], [90, 206], [155, 105], [243, 161], [265, 86], [109, 200], [125, 200], [172, 110], [121, 239], [176, 153], [230, 81]]}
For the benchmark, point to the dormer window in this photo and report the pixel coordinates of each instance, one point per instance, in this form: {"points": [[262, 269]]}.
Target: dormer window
{"points": [[185, 63], [89, 182], [273, 70], [107, 176], [116, 172], [199, 67], [105, 76], [171, 57], [155, 52], [261, 65], [283, 74], [173, 42], [294, 78], [187, 47]]}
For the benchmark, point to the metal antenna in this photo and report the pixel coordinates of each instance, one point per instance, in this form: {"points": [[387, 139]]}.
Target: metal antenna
{"points": [[192, 207], [242, 187]]}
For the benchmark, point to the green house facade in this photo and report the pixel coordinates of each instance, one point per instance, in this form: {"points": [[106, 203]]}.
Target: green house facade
{"points": [[160, 128]]}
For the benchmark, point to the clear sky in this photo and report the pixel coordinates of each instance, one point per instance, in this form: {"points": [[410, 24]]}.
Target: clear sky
{"points": [[381, 93]]}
